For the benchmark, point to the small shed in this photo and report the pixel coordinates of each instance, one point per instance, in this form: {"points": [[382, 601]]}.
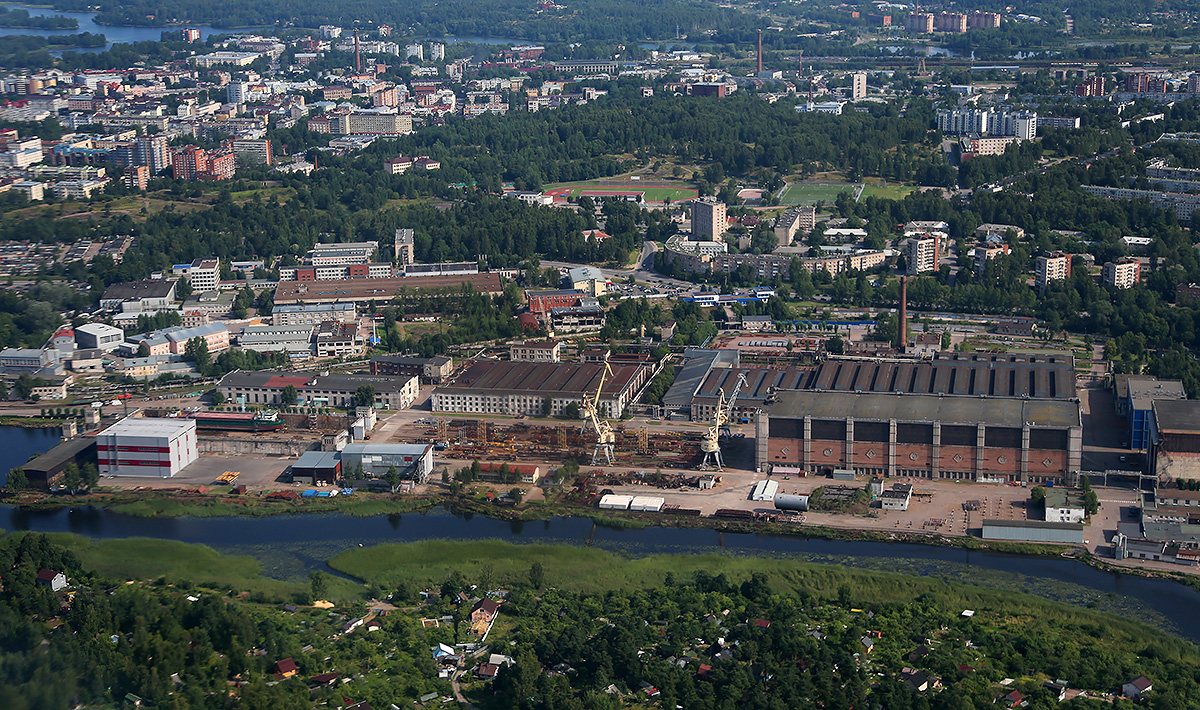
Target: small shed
{"points": [[317, 468]]}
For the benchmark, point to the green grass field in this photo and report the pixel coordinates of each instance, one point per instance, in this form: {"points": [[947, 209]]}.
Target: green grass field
{"points": [[810, 193], [889, 192]]}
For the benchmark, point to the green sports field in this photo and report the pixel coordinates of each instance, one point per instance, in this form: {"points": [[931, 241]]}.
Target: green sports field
{"points": [[809, 193]]}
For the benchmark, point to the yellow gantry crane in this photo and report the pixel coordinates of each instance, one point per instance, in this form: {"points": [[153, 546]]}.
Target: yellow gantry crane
{"points": [[710, 443], [605, 438]]}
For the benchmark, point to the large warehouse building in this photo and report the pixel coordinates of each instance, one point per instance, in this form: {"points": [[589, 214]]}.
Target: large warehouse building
{"points": [[141, 446], [265, 387], [495, 387], [975, 438], [379, 290]]}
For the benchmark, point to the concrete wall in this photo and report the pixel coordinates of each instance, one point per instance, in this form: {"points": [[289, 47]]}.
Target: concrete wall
{"points": [[275, 447]]}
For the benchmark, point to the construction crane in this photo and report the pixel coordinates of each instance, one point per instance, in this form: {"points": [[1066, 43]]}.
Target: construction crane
{"points": [[710, 443], [605, 438]]}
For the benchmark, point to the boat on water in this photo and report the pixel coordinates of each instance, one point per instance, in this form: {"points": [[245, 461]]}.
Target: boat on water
{"points": [[263, 420]]}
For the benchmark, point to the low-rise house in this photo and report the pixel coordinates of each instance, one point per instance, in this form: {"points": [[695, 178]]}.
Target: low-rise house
{"points": [[1137, 687], [285, 668], [49, 578], [485, 610]]}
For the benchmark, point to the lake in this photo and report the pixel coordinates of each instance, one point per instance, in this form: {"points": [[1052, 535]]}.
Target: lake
{"points": [[114, 34]]}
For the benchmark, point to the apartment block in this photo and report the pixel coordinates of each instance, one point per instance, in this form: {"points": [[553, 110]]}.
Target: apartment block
{"points": [[1054, 267], [1122, 273]]}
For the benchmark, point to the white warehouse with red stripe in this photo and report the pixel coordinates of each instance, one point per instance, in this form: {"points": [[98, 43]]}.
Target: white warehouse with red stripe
{"points": [[142, 446]]}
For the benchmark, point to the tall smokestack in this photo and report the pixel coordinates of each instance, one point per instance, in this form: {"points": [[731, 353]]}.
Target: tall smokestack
{"points": [[760, 52], [357, 54], [902, 321]]}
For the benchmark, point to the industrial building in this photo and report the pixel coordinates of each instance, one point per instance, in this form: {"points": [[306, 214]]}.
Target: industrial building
{"points": [[413, 462], [1036, 376], [1033, 531], [1174, 439], [432, 369], [142, 446], [313, 314], [760, 383], [1140, 395], [495, 387], [44, 471], [379, 290], [139, 296], [317, 468], [99, 336], [265, 388], [921, 435]]}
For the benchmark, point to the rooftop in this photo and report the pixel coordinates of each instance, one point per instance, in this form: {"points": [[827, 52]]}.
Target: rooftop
{"points": [[1142, 391], [333, 382], [150, 288], [66, 451], [1038, 376], [1182, 416], [148, 426], [562, 379], [759, 382], [382, 289], [884, 406]]}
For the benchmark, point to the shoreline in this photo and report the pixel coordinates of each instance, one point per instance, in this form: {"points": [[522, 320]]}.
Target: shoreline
{"points": [[150, 504]]}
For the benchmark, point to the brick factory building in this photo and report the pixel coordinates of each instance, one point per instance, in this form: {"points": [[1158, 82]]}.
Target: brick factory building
{"points": [[975, 438], [495, 387], [1038, 376]]}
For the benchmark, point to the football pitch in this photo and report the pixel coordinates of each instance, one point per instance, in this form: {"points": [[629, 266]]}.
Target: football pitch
{"points": [[810, 193]]}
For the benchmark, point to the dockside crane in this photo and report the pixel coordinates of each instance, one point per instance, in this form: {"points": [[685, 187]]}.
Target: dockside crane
{"points": [[710, 443], [605, 437]]}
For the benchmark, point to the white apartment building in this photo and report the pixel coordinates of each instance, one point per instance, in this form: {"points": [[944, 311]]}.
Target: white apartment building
{"points": [[923, 254], [1055, 267], [1123, 273]]}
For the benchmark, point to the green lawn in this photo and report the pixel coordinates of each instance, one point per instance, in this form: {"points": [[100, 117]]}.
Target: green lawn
{"points": [[808, 193]]}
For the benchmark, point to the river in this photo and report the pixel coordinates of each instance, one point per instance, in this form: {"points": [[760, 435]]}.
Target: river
{"points": [[21, 444], [290, 545]]}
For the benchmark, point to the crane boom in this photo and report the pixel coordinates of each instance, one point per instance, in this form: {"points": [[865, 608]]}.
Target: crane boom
{"points": [[710, 441], [605, 438]]}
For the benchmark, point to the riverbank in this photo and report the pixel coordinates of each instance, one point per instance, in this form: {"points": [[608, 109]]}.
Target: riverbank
{"points": [[219, 503], [30, 422]]}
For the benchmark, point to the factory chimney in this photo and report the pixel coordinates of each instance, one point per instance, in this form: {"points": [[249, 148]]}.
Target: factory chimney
{"points": [[357, 54], [760, 53], [902, 320]]}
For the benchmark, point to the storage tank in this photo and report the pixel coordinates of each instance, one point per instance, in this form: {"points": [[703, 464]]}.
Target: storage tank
{"points": [[789, 501]]}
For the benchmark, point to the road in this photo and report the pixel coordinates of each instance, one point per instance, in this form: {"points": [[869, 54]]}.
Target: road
{"points": [[642, 271]]}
